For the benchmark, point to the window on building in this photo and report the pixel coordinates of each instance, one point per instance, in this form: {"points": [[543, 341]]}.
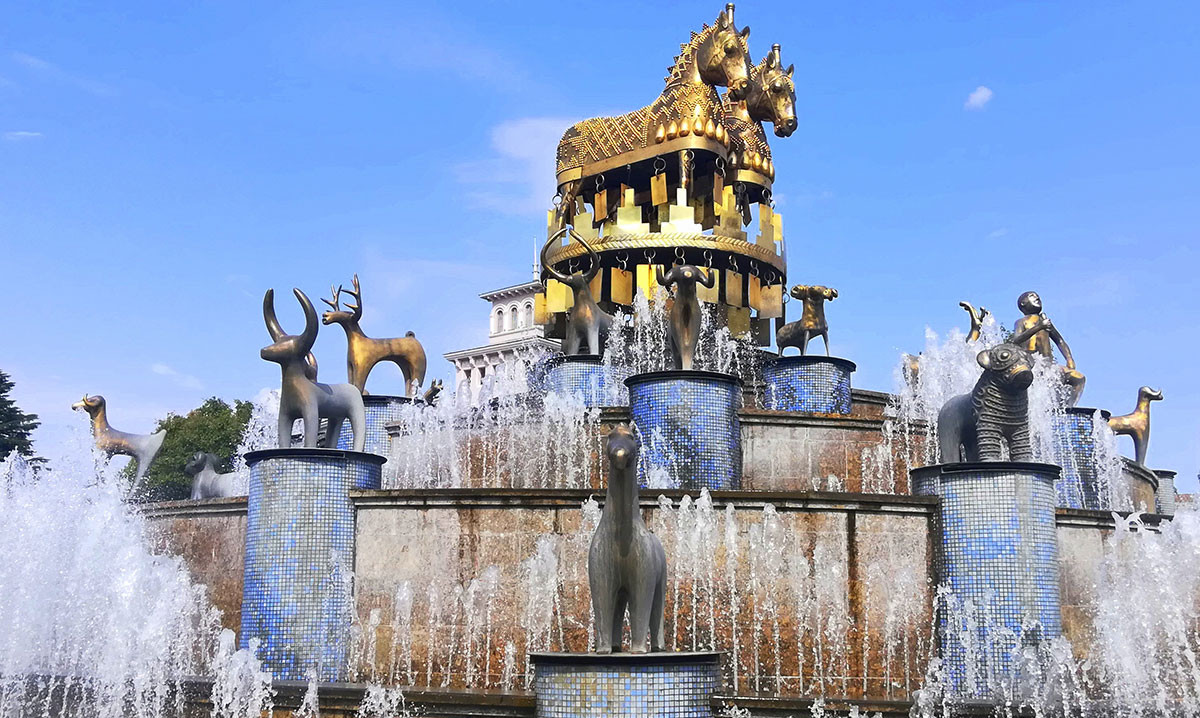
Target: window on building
{"points": [[528, 314], [498, 325], [517, 320], [510, 319]]}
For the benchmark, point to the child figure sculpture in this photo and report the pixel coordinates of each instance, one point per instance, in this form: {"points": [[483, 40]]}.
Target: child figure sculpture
{"points": [[626, 563]]}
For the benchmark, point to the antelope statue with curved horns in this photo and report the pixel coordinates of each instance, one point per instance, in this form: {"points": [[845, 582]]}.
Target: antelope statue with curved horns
{"points": [[586, 321], [302, 397], [685, 311], [142, 447], [977, 318], [364, 352], [1136, 425]]}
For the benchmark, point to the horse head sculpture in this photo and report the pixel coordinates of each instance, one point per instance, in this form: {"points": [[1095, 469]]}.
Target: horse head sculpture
{"points": [[771, 94]]}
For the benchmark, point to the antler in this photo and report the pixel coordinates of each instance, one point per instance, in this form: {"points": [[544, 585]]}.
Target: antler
{"points": [[309, 336], [273, 327], [336, 292], [545, 264], [355, 309]]}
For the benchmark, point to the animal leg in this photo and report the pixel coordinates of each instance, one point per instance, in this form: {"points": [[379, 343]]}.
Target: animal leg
{"points": [[408, 377], [333, 432], [571, 341], [312, 425], [286, 420], [803, 344], [1020, 448], [602, 609], [990, 443], [618, 620], [657, 635], [640, 602], [358, 424], [825, 338], [594, 338]]}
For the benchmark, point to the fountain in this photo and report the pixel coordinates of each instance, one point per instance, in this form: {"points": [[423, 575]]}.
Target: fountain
{"points": [[779, 542]]}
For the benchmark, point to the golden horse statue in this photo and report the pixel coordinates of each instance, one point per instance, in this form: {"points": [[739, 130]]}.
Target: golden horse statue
{"points": [[1137, 423], [686, 116]]}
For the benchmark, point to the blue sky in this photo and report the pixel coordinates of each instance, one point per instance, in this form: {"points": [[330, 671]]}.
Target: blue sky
{"points": [[161, 164]]}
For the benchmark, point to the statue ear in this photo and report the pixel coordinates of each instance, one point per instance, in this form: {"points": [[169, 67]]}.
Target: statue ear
{"points": [[723, 20], [791, 69], [984, 359], [772, 61], [746, 32]]}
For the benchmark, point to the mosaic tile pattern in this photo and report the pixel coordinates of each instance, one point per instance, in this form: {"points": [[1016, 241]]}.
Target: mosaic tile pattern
{"points": [[1164, 499], [687, 422], [606, 690], [588, 378], [999, 547], [814, 384], [381, 410], [1075, 452], [296, 595]]}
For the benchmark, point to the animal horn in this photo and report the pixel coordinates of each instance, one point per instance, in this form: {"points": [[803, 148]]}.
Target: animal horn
{"points": [[309, 337], [545, 264], [273, 327]]}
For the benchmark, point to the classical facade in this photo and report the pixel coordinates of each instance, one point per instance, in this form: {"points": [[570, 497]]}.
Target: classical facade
{"points": [[512, 336]]}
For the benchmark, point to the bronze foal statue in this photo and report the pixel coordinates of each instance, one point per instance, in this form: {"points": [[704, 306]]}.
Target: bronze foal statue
{"points": [[142, 447], [364, 352]]}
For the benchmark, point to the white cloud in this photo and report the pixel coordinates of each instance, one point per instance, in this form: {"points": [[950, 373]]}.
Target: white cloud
{"points": [[186, 381], [978, 98], [519, 178], [997, 233], [20, 135], [54, 72]]}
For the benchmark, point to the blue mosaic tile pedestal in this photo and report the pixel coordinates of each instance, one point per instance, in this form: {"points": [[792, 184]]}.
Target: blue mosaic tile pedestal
{"points": [[381, 411], [813, 384], [587, 377], [1165, 495], [1075, 451], [687, 422], [998, 548], [296, 594], [625, 685]]}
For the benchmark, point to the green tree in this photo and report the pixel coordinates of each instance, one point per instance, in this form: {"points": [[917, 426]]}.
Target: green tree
{"points": [[214, 426], [15, 425]]}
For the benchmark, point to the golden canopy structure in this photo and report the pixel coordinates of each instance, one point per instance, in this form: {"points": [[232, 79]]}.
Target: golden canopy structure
{"points": [[684, 180]]}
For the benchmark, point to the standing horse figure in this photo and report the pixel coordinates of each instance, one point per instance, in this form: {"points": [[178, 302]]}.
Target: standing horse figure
{"points": [[142, 447], [586, 321], [686, 116], [685, 313]]}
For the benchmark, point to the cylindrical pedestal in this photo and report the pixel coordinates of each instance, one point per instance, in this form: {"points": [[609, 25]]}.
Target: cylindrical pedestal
{"points": [[998, 556], [814, 384], [381, 410], [1075, 451], [296, 593], [663, 685], [1165, 495], [687, 422], [586, 377]]}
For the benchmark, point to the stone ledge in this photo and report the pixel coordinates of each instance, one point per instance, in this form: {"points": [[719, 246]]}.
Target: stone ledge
{"points": [[233, 505], [1089, 519]]}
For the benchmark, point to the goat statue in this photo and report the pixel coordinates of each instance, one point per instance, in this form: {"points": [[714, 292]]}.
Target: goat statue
{"points": [[973, 427], [685, 311], [301, 396], [1137, 424], [206, 482], [364, 352], [626, 563], [812, 321], [142, 447], [586, 322]]}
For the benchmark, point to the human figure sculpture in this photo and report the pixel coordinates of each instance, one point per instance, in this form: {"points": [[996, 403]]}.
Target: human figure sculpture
{"points": [[142, 447], [974, 427], [207, 483], [586, 321], [812, 319], [626, 563], [1136, 425], [685, 312], [1043, 343], [364, 352], [977, 318], [302, 397]]}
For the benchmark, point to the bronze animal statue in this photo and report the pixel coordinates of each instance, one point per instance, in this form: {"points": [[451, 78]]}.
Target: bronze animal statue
{"points": [[586, 321], [302, 397], [685, 311], [687, 115], [1043, 343], [974, 427], [364, 352], [977, 318], [626, 563], [433, 393], [207, 483], [142, 447], [811, 322], [1136, 425]]}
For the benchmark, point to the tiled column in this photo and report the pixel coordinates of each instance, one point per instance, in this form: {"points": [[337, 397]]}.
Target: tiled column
{"points": [[625, 685], [813, 384]]}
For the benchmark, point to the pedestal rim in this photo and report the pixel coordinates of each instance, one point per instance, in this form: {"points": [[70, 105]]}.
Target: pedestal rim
{"points": [[974, 467], [625, 659], [812, 359], [682, 374], [1088, 411], [304, 452]]}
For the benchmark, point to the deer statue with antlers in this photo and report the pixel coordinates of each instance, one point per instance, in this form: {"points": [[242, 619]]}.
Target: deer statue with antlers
{"points": [[142, 447], [302, 396], [364, 352]]}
